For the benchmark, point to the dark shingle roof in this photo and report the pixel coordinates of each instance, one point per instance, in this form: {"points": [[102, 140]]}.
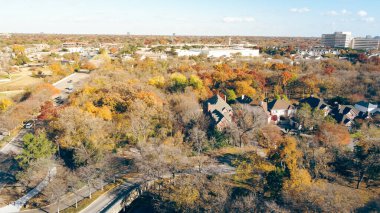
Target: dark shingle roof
{"points": [[315, 103], [218, 108]]}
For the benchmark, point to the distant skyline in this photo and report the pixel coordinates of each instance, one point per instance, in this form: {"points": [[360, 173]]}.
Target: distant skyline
{"points": [[193, 17]]}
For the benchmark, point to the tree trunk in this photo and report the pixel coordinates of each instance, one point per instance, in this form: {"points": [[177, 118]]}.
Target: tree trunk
{"points": [[76, 202], [360, 179], [89, 190]]}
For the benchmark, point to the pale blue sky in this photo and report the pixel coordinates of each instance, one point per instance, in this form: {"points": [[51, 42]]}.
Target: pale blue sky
{"points": [[192, 17]]}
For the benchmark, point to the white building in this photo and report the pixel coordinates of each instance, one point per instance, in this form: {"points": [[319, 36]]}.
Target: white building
{"points": [[338, 39], [367, 43], [217, 53], [192, 52]]}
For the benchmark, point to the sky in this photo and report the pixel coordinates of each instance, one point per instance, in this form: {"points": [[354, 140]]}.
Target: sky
{"points": [[191, 17]]}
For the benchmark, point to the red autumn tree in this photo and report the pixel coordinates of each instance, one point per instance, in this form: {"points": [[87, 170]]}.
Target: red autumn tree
{"points": [[48, 111]]}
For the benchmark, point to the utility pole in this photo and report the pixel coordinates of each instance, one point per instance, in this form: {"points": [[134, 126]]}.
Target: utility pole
{"points": [[173, 36]]}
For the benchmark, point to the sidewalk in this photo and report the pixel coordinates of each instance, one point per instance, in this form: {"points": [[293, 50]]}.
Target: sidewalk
{"points": [[18, 204], [66, 202]]}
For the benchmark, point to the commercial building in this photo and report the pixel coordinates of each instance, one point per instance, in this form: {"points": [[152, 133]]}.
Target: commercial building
{"points": [[338, 39], [345, 40], [367, 43], [220, 52]]}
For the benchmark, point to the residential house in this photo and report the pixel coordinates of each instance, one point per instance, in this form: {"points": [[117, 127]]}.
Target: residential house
{"points": [[344, 114], [317, 103], [279, 110], [366, 107], [221, 113]]}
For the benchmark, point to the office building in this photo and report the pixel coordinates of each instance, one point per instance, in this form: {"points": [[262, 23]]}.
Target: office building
{"points": [[338, 39], [367, 43]]}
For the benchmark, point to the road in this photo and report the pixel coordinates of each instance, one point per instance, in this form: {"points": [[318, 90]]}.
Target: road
{"points": [[66, 202], [15, 145], [107, 200], [76, 80]]}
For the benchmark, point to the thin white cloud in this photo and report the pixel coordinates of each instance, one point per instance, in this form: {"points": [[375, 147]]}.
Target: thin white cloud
{"points": [[300, 10], [238, 19], [368, 19], [332, 13], [343, 12], [362, 13]]}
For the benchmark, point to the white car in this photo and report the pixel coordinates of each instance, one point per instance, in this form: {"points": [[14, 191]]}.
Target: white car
{"points": [[28, 125]]}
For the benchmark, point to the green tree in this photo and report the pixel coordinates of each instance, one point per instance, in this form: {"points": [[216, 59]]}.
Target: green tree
{"points": [[304, 115], [231, 95], [35, 147]]}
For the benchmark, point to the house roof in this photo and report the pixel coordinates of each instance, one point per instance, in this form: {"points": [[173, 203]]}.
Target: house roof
{"points": [[315, 103], [279, 104], [345, 109], [366, 104], [218, 108], [340, 113]]}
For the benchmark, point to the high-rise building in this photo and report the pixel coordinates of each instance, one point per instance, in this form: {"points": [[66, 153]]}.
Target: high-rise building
{"points": [[338, 39], [367, 43]]}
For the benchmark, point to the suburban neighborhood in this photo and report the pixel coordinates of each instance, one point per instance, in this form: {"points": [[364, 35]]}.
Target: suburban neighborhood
{"points": [[141, 106]]}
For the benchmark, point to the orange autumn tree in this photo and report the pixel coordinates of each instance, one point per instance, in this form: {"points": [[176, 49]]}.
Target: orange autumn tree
{"points": [[287, 77], [331, 134], [48, 111], [47, 88]]}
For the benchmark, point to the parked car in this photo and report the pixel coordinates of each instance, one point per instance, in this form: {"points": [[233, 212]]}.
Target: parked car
{"points": [[28, 124]]}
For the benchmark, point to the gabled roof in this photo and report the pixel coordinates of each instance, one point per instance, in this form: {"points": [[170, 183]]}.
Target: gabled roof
{"points": [[340, 113], [345, 109], [315, 103], [366, 104], [218, 108], [279, 104]]}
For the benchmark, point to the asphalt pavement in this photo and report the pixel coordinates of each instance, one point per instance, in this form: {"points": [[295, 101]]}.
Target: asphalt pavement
{"points": [[15, 145], [74, 81]]}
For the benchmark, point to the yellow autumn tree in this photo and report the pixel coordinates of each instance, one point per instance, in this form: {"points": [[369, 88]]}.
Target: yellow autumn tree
{"points": [[299, 178], [5, 103], [105, 113], [57, 69], [157, 81], [195, 82], [244, 88]]}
